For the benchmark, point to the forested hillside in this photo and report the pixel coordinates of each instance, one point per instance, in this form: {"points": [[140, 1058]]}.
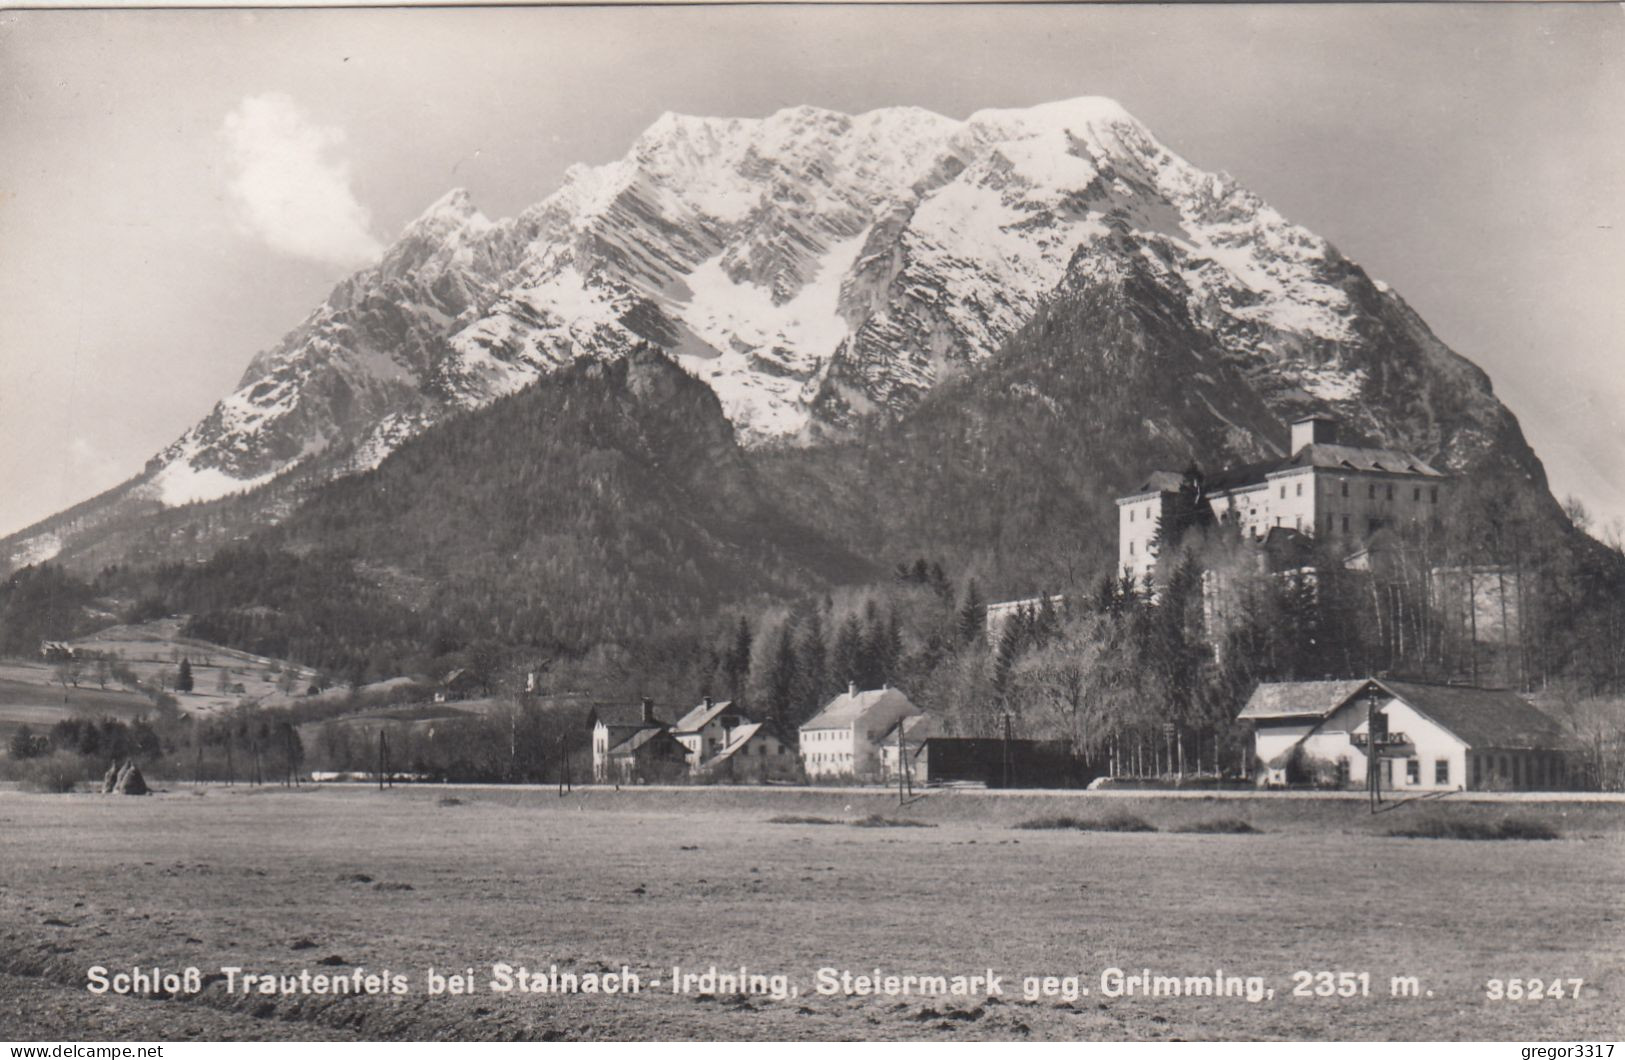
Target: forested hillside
{"points": [[610, 506]]}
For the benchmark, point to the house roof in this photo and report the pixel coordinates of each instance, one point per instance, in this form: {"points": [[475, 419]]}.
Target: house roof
{"points": [[1238, 476], [848, 708], [637, 739], [701, 716], [1159, 482], [626, 716], [1481, 717], [916, 727], [1298, 699], [741, 737]]}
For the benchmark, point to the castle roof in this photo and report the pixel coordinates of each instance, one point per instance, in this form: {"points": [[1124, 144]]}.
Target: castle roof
{"points": [[1316, 454], [1359, 458]]}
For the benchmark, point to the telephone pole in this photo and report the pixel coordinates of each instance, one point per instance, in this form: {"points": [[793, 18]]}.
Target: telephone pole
{"points": [[1373, 758]]}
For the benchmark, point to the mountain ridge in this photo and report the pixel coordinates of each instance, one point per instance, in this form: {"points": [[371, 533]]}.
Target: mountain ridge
{"points": [[816, 270]]}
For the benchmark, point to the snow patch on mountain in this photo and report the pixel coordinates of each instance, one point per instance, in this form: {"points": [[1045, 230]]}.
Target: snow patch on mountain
{"points": [[37, 549], [727, 313], [181, 482]]}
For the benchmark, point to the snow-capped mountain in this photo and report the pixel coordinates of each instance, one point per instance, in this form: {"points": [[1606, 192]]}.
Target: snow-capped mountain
{"points": [[808, 266], [812, 268]]}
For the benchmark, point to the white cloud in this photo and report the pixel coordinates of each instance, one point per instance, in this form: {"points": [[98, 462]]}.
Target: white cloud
{"points": [[288, 187]]}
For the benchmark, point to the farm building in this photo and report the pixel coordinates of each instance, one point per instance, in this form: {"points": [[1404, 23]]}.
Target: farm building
{"points": [[844, 738], [704, 731], [634, 743], [991, 762], [1434, 737], [754, 752]]}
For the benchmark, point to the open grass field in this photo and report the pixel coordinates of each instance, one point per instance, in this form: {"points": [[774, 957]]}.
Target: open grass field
{"points": [[30, 695], [152, 648], [454, 878]]}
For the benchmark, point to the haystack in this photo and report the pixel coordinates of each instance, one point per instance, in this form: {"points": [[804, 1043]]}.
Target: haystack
{"points": [[110, 779], [130, 781]]}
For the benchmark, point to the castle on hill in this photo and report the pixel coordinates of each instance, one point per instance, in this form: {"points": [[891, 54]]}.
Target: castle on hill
{"points": [[1323, 489]]}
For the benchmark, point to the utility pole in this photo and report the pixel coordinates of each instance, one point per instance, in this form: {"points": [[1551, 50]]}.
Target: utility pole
{"points": [[1373, 758], [383, 760], [900, 763], [1005, 751]]}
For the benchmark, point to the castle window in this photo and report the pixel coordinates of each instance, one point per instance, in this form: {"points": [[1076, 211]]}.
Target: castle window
{"points": [[1435, 491], [1345, 524], [1390, 491], [1300, 489], [1372, 494], [1131, 515], [1131, 548], [1416, 494], [1345, 487], [1283, 493]]}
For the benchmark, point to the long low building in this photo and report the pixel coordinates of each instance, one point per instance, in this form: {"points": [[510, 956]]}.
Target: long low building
{"points": [[1430, 737]]}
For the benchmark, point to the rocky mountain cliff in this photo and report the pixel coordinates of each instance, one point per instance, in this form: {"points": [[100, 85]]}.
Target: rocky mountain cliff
{"points": [[819, 271]]}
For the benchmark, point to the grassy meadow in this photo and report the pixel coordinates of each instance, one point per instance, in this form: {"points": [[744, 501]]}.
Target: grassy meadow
{"points": [[278, 880]]}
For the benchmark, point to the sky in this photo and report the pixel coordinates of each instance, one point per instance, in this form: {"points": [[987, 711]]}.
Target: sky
{"points": [[180, 188]]}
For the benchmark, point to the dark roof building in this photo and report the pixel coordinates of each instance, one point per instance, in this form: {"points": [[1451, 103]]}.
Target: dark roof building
{"points": [[1431, 737], [619, 730]]}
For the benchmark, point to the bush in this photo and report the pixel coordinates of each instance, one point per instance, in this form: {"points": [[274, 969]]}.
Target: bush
{"points": [[875, 820], [1221, 826], [1040, 824], [1506, 828], [25, 744], [1116, 822], [1122, 822], [57, 773], [791, 818], [1527, 828]]}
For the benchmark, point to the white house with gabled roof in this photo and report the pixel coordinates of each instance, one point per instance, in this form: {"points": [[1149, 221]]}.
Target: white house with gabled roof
{"points": [[705, 730], [844, 738], [1431, 737], [755, 751]]}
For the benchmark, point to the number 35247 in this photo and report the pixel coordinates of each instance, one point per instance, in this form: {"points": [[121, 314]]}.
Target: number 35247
{"points": [[1532, 989]]}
